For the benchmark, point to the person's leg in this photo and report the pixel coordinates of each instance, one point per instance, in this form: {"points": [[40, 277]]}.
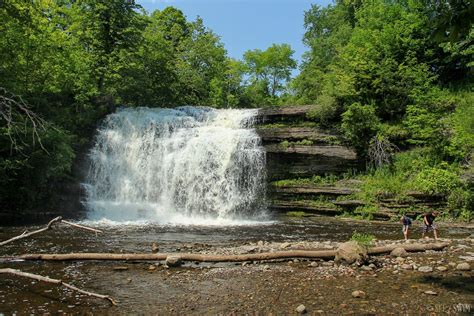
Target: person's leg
{"points": [[435, 233]]}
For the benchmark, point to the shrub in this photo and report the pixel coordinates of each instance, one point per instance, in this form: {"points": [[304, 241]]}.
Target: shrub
{"points": [[365, 240], [326, 110], [437, 181]]}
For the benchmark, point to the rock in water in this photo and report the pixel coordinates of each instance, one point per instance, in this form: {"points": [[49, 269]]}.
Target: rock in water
{"points": [[173, 261], [154, 248], [301, 309], [399, 252], [350, 252], [463, 267]]}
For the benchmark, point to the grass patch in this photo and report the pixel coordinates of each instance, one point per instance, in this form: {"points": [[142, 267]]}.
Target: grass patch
{"points": [[315, 180], [365, 240], [296, 214]]}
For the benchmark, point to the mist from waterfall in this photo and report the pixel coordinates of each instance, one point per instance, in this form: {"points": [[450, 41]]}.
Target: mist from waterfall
{"points": [[187, 165]]}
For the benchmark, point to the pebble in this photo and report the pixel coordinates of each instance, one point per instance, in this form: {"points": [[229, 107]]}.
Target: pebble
{"points": [[463, 267], [358, 294], [406, 266], [430, 292], [366, 268], [425, 269], [399, 252], [285, 245], [301, 309], [441, 268], [120, 268], [313, 264]]}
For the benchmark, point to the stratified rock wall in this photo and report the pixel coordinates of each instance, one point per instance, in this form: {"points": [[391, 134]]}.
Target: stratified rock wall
{"points": [[297, 151]]}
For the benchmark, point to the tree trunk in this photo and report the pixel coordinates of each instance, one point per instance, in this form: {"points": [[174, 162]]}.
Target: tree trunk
{"points": [[309, 254]]}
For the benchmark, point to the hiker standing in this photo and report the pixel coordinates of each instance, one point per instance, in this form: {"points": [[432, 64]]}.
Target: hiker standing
{"points": [[429, 225]]}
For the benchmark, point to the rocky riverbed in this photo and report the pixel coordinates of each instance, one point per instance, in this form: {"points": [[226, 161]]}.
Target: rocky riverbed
{"points": [[432, 282]]}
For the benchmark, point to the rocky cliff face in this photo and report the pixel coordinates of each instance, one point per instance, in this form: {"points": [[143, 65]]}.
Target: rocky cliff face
{"points": [[297, 150]]}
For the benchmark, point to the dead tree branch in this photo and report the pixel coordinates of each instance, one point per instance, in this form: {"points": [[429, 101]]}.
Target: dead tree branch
{"points": [[58, 219], [380, 151], [55, 281], [19, 121]]}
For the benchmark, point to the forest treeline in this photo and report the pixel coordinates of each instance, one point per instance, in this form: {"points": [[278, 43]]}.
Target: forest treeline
{"points": [[390, 75]]}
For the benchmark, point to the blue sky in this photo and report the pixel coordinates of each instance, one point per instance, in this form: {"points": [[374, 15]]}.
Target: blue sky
{"points": [[247, 24]]}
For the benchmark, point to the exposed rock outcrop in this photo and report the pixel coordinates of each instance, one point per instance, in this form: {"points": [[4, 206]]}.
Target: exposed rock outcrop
{"points": [[294, 134], [284, 113], [305, 161]]}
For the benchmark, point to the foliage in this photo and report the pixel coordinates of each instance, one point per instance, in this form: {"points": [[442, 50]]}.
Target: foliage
{"points": [[268, 71], [325, 112], [359, 124], [365, 240], [437, 180]]}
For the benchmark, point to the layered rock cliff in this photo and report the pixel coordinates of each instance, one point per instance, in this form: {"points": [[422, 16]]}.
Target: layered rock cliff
{"points": [[297, 149]]}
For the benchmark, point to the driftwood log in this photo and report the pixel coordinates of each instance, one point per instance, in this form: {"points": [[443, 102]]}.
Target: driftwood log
{"points": [[310, 254], [55, 281], [58, 219]]}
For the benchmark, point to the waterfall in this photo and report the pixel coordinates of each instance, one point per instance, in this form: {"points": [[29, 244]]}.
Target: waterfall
{"points": [[188, 165]]}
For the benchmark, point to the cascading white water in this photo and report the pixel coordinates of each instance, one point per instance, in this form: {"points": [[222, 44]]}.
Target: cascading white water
{"points": [[188, 165]]}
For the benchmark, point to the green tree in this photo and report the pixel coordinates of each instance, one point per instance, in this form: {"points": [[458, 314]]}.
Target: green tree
{"points": [[360, 124], [268, 72]]}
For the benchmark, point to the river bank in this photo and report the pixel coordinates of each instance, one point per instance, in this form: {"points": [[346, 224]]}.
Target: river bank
{"points": [[430, 282]]}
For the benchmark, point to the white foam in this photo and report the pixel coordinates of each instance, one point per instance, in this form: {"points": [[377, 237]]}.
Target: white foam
{"points": [[190, 165]]}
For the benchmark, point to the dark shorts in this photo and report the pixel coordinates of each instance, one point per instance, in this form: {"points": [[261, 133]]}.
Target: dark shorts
{"points": [[429, 228]]}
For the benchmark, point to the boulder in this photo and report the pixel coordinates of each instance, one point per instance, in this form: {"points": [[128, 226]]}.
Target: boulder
{"points": [[399, 252], [173, 261], [350, 252]]}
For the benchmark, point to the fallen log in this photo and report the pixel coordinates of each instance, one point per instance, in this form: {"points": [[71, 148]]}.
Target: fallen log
{"points": [[58, 219], [309, 254], [408, 248], [55, 281]]}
